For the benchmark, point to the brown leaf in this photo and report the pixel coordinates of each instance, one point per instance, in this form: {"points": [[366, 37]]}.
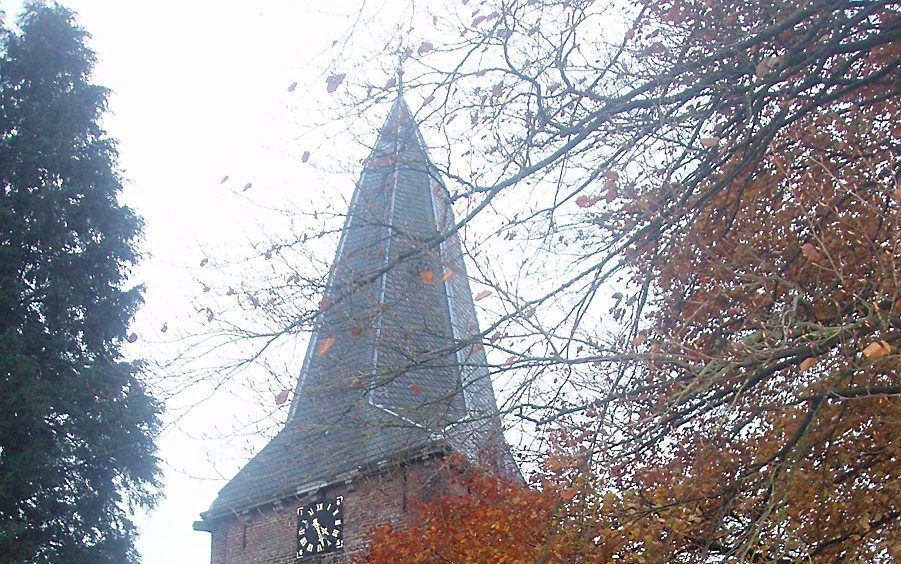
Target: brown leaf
{"points": [[224, 178], [415, 389], [428, 277], [164, 328], [611, 195], [209, 314], [292, 87], [333, 82], [132, 337], [282, 397], [482, 295], [810, 252], [495, 337], [710, 142], [764, 67], [392, 82], [248, 186], [305, 156], [510, 360], [428, 100], [424, 48], [877, 349], [478, 20], [204, 261], [609, 183], [586, 201], [356, 331], [324, 303], [639, 339], [325, 345], [808, 363]]}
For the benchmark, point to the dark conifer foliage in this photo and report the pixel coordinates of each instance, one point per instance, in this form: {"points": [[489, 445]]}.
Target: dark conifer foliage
{"points": [[77, 425]]}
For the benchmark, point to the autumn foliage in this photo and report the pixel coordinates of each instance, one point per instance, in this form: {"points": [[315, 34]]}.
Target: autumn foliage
{"points": [[747, 155], [488, 520]]}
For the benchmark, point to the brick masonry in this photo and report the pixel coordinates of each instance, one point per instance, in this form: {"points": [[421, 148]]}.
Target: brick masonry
{"points": [[268, 534]]}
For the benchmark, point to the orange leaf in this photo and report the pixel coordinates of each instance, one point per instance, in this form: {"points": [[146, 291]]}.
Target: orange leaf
{"points": [[325, 345], [415, 389], [428, 277], [448, 275], [877, 349], [356, 331], [482, 295], [808, 363], [282, 397]]}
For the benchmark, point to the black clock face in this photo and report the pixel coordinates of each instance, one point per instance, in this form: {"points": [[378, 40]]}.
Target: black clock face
{"points": [[320, 527]]}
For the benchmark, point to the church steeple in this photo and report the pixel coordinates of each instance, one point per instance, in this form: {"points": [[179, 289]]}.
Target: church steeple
{"points": [[390, 373]]}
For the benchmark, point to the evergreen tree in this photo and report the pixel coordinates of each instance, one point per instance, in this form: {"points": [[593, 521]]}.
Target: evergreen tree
{"points": [[77, 426]]}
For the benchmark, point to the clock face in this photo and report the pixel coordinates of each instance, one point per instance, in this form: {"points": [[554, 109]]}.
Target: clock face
{"points": [[320, 527]]}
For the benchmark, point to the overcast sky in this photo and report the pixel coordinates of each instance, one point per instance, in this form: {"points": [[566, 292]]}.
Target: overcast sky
{"points": [[200, 92]]}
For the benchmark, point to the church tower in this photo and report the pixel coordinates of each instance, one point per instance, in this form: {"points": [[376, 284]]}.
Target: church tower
{"points": [[392, 381]]}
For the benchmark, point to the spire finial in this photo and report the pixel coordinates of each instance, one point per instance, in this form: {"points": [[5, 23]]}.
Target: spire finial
{"points": [[400, 74]]}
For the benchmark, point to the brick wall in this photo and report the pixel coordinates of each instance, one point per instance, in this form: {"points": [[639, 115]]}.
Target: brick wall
{"points": [[268, 535]]}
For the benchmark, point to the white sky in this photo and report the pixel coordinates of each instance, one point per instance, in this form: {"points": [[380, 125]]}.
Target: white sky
{"points": [[200, 91]]}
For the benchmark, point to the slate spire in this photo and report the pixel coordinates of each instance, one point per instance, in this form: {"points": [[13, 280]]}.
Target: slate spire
{"points": [[390, 371]]}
